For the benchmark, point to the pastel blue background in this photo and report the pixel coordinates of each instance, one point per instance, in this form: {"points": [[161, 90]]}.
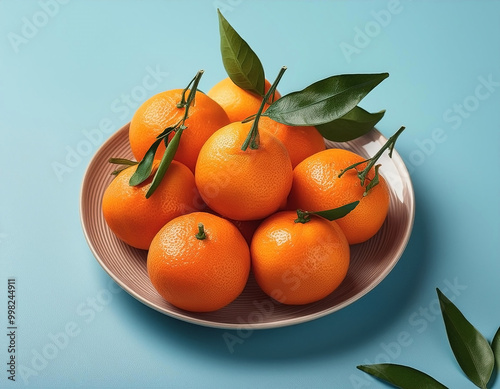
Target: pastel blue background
{"points": [[74, 71]]}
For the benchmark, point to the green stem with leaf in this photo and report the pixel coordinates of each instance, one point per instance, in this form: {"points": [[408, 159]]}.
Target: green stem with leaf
{"points": [[331, 214], [362, 175], [252, 138], [145, 166]]}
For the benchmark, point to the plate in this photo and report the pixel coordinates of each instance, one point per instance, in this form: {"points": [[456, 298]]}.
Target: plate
{"points": [[370, 263]]}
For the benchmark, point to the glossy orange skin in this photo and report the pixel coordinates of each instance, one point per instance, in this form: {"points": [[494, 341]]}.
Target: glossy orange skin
{"points": [[300, 141], [243, 185], [316, 187], [237, 102], [135, 219], [161, 111], [299, 263], [199, 275]]}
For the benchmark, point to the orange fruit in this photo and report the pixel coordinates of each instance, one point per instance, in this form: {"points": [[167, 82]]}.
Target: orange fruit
{"points": [[243, 185], [300, 141], [237, 102], [135, 219], [199, 275], [161, 111], [316, 187], [299, 263]]}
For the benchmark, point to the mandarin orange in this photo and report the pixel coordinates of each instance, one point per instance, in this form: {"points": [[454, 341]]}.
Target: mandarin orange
{"points": [[161, 111], [199, 262], [135, 219], [243, 185], [317, 187], [237, 102], [299, 262]]}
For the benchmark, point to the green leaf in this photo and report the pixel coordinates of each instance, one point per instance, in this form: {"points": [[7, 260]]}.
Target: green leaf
{"points": [[472, 351], [122, 161], [124, 164], [323, 101], [403, 377], [495, 346], [165, 162], [241, 63], [145, 166], [336, 213], [119, 170], [355, 123], [167, 131]]}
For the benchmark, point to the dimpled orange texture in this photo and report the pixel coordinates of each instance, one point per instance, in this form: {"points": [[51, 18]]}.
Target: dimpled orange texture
{"points": [[317, 187], [299, 263], [199, 275], [243, 185], [237, 102], [300, 141], [161, 111], [135, 219]]}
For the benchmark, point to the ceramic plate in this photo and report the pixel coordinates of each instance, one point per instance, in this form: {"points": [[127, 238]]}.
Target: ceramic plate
{"points": [[371, 261]]}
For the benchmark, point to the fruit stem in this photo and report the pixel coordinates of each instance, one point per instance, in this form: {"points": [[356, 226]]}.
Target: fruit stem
{"points": [[196, 79], [192, 94], [252, 138], [201, 232], [302, 217], [391, 142]]}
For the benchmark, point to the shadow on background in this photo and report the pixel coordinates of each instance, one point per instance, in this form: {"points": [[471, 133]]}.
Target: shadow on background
{"points": [[337, 333]]}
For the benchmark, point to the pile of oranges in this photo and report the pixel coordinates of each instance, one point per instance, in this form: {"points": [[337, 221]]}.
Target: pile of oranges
{"points": [[221, 212]]}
